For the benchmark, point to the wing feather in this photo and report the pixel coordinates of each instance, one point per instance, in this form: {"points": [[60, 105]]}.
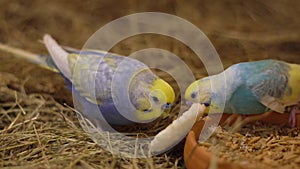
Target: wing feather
{"points": [[271, 85]]}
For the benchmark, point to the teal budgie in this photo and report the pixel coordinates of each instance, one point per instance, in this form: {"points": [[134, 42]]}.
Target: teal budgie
{"points": [[100, 79], [253, 88]]}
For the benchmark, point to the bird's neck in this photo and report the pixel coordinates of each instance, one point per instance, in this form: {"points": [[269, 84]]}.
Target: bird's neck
{"points": [[233, 79]]}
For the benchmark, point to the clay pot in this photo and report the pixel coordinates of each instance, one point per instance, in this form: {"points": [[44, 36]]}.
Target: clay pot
{"points": [[196, 157]]}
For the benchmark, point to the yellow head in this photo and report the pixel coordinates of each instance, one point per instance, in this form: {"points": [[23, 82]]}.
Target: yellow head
{"points": [[199, 92], [160, 99]]}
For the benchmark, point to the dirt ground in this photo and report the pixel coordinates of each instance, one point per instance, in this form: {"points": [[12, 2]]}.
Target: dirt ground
{"points": [[38, 131]]}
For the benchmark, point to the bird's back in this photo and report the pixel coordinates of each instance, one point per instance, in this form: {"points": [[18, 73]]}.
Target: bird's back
{"points": [[94, 71], [252, 80]]}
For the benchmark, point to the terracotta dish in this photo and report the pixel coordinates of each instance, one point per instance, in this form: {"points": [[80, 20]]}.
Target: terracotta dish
{"points": [[196, 156]]}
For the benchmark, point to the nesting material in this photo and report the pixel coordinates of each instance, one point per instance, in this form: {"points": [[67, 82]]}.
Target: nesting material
{"points": [[38, 132]]}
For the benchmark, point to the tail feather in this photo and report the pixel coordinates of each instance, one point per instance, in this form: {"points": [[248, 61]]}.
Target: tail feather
{"points": [[40, 60], [58, 55]]}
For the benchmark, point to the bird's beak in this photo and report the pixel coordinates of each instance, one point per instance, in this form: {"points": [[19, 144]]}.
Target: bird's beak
{"points": [[189, 103], [207, 108]]}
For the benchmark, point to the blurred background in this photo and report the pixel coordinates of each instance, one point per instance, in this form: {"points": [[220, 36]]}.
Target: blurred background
{"points": [[240, 31]]}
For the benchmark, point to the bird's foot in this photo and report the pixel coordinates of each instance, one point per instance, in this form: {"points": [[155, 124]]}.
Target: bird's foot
{"points": [[231, 119], [246, 119], [292, 119]]}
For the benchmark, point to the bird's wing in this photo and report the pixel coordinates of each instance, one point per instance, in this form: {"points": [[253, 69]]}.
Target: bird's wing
{"points": [[92, 73], [271, 84], [86, 70]]}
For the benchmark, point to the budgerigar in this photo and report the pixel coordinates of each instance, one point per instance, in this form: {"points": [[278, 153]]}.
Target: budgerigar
{"points": [[253, 88], [149, 94], [100, 78]]}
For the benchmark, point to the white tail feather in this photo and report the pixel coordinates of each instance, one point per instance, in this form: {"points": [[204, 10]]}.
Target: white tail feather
{"points": [[59, 55]]}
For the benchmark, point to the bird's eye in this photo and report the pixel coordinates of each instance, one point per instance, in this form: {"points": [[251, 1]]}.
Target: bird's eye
{"points": [[154, 98], [193, 95]]}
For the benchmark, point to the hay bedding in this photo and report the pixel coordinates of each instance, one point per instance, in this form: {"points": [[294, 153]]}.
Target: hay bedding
{"points": [[38, 132], [257, 145]]}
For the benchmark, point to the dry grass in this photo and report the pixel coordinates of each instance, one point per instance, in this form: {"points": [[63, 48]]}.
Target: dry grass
{"points": [[37, 131]]}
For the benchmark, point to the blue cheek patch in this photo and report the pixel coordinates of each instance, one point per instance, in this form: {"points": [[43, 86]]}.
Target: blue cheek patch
{"points": [[167, 106], [206, 104]]}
